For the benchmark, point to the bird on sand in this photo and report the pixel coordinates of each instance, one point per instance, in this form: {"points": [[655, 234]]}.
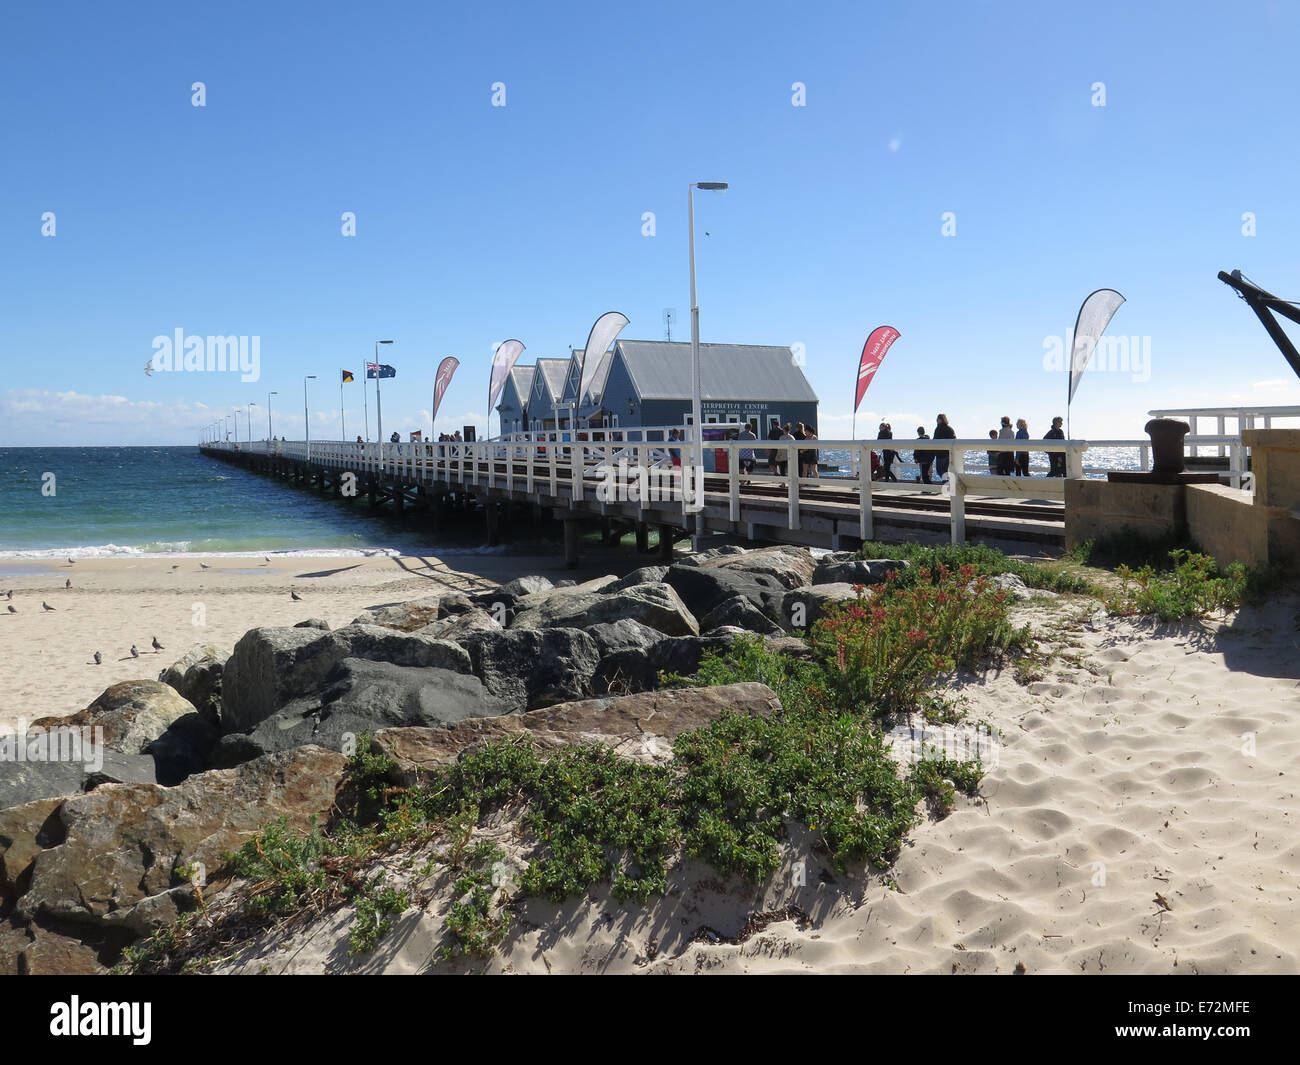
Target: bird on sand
{"points": [[203, 565], [98, 658], [13, 609], [9, 594], [68, 583], [72, 562], [295, 596], [45, 605], [135, 651], [157, 646]]}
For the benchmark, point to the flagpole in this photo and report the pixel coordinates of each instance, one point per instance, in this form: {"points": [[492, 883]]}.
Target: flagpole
{"points": [[365, 398]]}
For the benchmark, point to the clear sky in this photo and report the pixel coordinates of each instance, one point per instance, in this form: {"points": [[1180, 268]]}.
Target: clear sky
{"points": [[477, 223]]}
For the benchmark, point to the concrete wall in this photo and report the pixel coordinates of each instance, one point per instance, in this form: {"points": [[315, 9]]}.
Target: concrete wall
{"points": [[1222, 521], [1276, 465], [1102, 510]]}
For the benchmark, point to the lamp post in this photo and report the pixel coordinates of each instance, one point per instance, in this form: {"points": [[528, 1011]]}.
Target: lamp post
{"points": [[249, 412], [379, 404], [306, 422], [696, 404], [269, 435]]}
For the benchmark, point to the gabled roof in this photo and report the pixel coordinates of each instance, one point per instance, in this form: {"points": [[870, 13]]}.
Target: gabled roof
{"points": [[523, 378], [661, 369], [551, 372]]}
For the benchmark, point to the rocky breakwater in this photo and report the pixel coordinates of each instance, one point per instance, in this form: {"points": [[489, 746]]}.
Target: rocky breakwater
{"points": [[95, 854]]}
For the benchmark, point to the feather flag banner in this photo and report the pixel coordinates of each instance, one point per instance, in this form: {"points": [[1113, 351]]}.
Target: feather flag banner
{"points": [[1094, 316], [503, 361], [603, 333], [873, 354], [445, 369]]}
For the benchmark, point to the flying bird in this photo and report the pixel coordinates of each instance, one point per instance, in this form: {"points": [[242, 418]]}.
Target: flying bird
{"points": [[98, 658], [295, 596], [157, 646], [135, 651], [149, 368], [45, 605]]}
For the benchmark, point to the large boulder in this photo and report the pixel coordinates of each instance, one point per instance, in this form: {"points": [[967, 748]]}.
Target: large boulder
{"points": [[460, 625], [792, 566], [702, 588], [531, 668], [270, 667], [637, 670], [640, 726], [120, 850], [128, 716], [739, 612], [25, 831], [197, 677], [144, 717], [655, 605], [404, 617], [23, 782], [365, 696], [703, 558], [856, 570], [644, 575], [44, 773], [623, 635], [807, 605], [521, 586]]}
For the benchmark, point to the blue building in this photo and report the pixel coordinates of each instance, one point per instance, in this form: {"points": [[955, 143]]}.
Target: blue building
{"points": [[513, 405]]}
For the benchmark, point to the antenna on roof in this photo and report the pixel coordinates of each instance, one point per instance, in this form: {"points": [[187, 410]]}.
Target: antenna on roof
{"points": [[670, 316]]}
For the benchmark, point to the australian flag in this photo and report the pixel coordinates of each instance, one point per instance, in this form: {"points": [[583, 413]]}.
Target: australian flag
{"points": [[379, 369]]}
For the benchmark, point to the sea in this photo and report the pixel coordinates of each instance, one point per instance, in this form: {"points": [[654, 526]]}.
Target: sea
{"points": [[101, 502], [104, 502]]}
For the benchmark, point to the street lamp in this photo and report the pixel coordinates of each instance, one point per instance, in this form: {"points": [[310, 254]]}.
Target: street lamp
{"points": [[696, 415], [269, 435], [379, 406], [249, 412], [306, 423]]}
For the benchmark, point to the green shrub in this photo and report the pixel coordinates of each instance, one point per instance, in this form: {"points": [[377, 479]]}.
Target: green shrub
{"points": [[1195, 586], [986, 561]]}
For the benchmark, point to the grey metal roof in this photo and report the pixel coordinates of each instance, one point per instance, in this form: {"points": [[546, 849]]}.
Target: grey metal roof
{"points": [[597, 385], [662, 370], [553, 373], [523, 376]]}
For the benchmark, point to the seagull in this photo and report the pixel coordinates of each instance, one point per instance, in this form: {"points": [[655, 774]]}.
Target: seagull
{"points": [[72, 562], [98, 658], [135, 651], [268, 560], [157, 646], [295, 596], [149, 368], [176, 566], [13, 609], [68, 583], [45, 605], [203, 565]]}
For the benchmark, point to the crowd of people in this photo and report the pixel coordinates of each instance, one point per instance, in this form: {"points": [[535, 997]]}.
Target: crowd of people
{"points": [[1001, 463]]}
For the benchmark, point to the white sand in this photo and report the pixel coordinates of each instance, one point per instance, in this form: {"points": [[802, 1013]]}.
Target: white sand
{"points": [[46, 664], [1123, 775]]}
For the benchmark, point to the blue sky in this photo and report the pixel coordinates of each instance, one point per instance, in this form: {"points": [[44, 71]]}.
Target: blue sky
{"points": [[478, 223]]}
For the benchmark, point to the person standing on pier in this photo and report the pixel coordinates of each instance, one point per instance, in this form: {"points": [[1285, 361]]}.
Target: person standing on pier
{"points": [[1055, 459], [923, 458], [1022, 457], [993, 455], [1006, 459], [888, 456], [942, 431], [746, 435]]}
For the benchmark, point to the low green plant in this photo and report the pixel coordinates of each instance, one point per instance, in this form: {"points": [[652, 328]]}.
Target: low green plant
{"points": [[986, 562], [1193, 587], [375, 906]]}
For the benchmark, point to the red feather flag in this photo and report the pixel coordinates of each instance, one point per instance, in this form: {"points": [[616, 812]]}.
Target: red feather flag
{"points": [[873, 354]]}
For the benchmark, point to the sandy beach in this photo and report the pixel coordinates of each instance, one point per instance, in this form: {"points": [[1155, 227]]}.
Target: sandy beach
{"points": [[1141, 818], [46, 657]]}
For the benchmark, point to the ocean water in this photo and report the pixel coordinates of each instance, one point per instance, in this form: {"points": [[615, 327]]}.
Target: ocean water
{"points": [[1096, 461], [114, 501]]}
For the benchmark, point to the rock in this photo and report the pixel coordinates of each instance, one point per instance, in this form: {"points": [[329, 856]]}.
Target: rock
{"points": [[531, 668], [25, 782], [623, 635], [461, 625], [703, 588], [25, 831], [562, 591], [811, 603], [655, 605], [196, 676], [131, 714], [313, 623], [114, 767], [184, 749], [522, 586], [50, 954], [712, 555], [1016, 589], [683, 654], [365, 696], [454, 603], [634, 670], [566, 583], [857, 571], [121, 847], [740, 613], [404, 617], [792, 566], [644, 575], [790, 646], [640, 726], [272, 666]]}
